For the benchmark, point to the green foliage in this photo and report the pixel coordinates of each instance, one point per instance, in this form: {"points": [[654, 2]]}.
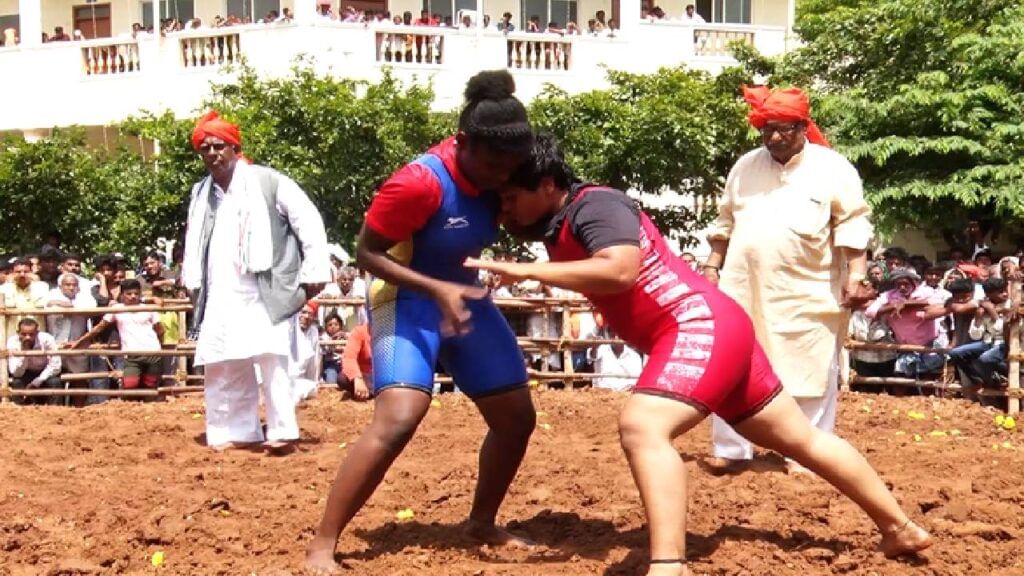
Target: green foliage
{"points": [[924, 98], [674, 130], [339, 139]]}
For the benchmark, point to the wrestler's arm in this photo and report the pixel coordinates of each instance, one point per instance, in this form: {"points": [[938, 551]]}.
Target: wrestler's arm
{"points": [[608, 271]]}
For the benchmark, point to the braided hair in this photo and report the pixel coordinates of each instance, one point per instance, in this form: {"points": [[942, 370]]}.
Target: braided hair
{"points": [[492, 116]]}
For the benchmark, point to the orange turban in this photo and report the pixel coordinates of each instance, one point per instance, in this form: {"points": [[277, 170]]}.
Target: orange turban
{"points": [[787, 105], [211, 124], [313, 306]]}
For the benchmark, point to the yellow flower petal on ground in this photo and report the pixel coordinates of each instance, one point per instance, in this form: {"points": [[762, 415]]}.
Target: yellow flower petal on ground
{"points": [[1009, 423], [435, 403], [158, 559], [937, 433], [917, 438], [406, 514]]}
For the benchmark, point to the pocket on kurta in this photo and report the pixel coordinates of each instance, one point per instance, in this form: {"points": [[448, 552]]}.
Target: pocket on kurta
{"points": [[802, 354], [809, 216]]}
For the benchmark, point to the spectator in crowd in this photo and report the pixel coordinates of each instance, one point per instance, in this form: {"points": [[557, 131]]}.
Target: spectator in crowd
{"points": [[690, 259], [876, 274], [600, 17], [70, 327], [612, 29], [976, 234], [895, 257], [139, 332], [533, 25], [302, 366], [691, 16], [32, 372], [961, 308], [357, 364], [506, 25], [22, 292], [782, 257], [6, 267], [348, 285], [252, 264], [983, 361], [49, 266], [1009, 269], [334, 331], [59, 35], [621, 361], [554, 28], [911, 309], [983, 259], [487, 21], [467, 22], [156, 280], [874, 363]]}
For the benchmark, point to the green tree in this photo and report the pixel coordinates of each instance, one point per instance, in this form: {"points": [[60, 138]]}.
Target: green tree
{"points": [[677, 129], [339, 139], [927, 106]]}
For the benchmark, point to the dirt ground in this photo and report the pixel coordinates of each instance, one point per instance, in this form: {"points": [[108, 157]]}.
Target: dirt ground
{"points": [[101, 490]]}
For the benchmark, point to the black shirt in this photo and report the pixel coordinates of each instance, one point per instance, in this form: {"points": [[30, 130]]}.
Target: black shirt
{"points": [[602, 218]]}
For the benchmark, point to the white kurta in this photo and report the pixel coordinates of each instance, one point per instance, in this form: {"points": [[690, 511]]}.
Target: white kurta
{"points": [[786, 225], [242, 349], [70, 327]]}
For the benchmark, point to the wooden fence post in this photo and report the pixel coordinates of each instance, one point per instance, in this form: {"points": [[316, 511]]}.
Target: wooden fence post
{"points": [[1013, 350], [5, 377]]}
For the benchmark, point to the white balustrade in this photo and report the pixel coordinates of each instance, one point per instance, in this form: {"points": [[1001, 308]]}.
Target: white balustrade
{"points": [[410, 44], [110, 57], [210, 49], [538, 51], [715, 41]]}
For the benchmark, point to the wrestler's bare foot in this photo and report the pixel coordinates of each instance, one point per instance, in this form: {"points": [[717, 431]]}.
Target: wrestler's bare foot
{"points": [[492, 535], [668, 569], [320, 559], [906, 540]]}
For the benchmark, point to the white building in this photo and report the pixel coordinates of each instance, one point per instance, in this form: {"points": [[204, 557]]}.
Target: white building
{"points": [[112, 74]]}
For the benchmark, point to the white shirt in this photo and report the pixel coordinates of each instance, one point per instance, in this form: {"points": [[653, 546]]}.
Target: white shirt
{"points": [[47, 366], [695, 19], [66, 328], [628, 363], [136, 330]]}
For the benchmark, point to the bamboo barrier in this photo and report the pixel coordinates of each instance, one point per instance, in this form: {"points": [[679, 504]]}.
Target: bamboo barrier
{"points": [[5, 375], [1013, 351]]}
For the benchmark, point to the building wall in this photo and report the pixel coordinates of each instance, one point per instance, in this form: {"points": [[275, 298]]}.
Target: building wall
{"points": [[59, 13], [769, 12]]}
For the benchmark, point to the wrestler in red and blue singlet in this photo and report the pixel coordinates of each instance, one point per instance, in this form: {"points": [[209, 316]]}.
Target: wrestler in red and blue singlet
{"points": [[438, 218]]}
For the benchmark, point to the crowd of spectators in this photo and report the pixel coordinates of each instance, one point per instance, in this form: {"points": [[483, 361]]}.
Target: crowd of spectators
{"points": [[956, 309]]}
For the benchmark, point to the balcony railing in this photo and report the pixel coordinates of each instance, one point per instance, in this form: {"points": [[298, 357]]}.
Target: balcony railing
{"points": [[539, 51], [410, 45], [210, 48], [174, 71], [107, 57]]}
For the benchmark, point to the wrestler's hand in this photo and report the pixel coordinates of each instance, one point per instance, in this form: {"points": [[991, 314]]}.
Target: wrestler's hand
{"points": [[455, 316], [508, 272], [312, 290]]}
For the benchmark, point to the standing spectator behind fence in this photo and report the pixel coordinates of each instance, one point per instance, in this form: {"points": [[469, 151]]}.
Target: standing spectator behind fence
{"points": [[140, 332], [70, 327], [302, 364], [21, 291], [911, 309], [347, 285], [33, 371]]}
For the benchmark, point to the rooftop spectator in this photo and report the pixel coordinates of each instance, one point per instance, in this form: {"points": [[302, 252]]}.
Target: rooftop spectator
{"points": [[691, 16], [487, 21], [22, 292], [533, 25], [594, 27], [612, 29], [286, 15], [59, 35], [506, 25], [10, 38], [32, 372], [600, 17]]}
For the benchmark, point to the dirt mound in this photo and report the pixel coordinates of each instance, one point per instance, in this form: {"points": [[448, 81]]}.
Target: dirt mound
{"points": [[100, 490]]}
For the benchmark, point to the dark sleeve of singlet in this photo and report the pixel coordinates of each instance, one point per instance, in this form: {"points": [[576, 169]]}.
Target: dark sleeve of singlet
{"points": [[605, 218]]}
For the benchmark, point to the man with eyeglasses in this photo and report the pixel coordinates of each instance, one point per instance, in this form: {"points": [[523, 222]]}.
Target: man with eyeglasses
{"points": [[255, 252], [789, 246]]}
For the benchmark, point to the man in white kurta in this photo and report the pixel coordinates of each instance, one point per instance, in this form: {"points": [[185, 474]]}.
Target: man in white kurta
{"points": [[229, 248], [790, 243]]}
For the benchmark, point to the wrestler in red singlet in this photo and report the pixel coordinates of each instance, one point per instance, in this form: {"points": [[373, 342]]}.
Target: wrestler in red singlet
{"points": [[701, 343]]}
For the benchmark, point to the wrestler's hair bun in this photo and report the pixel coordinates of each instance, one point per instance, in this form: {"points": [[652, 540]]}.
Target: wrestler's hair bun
{"points": [[490, 85]]}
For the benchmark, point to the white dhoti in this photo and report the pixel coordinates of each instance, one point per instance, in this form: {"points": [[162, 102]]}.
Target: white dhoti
{"points": [[821, 411], [233, 396]]}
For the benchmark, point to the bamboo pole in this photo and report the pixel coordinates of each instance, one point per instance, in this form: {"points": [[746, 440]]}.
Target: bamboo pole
{"points": [[5, 376], [1013, 350], [856, 345], [182, 360], [96, 352], [567, 351], [94, 311], [910, 382]]}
